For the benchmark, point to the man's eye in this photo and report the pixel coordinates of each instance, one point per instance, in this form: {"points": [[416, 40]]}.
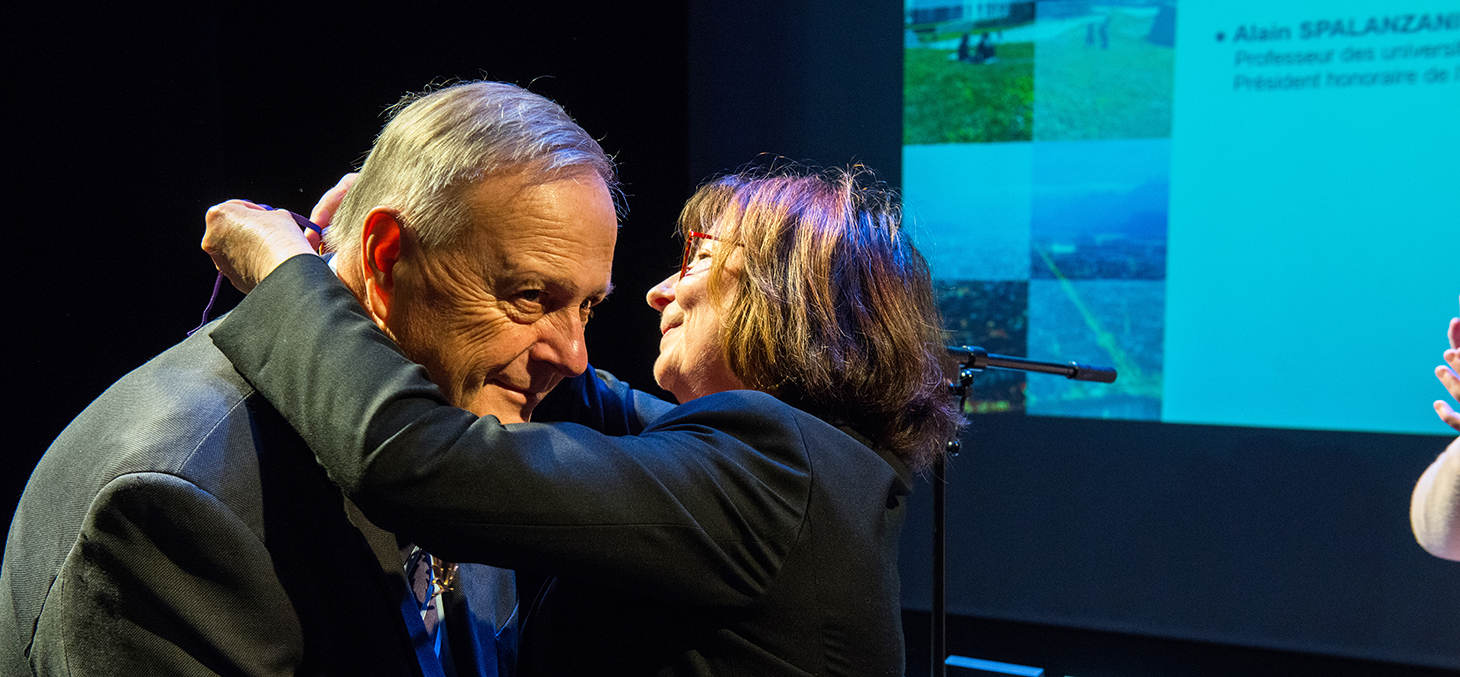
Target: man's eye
{"points": [[585, 310], [531, 295]]}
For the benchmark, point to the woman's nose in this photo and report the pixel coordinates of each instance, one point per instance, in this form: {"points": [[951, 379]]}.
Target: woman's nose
{"points": [[662, 294]]}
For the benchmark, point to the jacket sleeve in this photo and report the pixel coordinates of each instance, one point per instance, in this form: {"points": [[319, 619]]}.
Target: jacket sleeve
{"points": [[702, 507], [165, 579]]}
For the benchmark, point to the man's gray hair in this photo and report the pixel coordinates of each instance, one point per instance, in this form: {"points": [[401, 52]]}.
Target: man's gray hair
{"points": [[439, 144]]}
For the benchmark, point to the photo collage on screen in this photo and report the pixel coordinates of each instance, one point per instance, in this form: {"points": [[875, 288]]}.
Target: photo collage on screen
{"points": [[1036, 163]]}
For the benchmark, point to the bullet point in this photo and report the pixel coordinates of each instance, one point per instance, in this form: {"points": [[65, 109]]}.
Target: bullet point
{"points": [[1221, 37]]}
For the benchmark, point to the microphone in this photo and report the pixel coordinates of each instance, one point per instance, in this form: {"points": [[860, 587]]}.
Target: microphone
{"points": [[971, 360], [977, 359]]}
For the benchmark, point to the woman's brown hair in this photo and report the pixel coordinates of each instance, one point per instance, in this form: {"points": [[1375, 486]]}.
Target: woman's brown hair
{"points": [[832, 308]]}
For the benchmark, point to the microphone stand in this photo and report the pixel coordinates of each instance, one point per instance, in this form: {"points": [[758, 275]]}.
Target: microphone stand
{"points": [[973, 360]]}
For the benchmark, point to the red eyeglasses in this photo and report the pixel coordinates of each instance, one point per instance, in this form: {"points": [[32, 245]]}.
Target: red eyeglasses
{"points": [[691, 245]]}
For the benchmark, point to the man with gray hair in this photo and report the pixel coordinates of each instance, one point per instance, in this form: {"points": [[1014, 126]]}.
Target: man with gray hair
{"points": [[180, 525]]}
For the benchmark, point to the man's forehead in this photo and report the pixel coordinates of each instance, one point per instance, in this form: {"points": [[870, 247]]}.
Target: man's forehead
{"points": [[561, 231]]}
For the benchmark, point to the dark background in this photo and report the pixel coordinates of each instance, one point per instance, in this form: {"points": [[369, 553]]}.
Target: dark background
{"points": [[1085, 547], [134, 120]]}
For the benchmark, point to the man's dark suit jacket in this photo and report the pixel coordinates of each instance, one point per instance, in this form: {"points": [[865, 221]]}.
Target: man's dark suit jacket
{"points": [[734, 535], [179, 525]]}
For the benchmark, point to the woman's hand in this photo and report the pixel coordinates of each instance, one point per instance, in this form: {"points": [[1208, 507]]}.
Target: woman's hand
{"points": [[1447, 373], [247, 242], [329, 203]]}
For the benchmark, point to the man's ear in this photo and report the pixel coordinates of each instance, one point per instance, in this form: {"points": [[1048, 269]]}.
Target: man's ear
{"points": [[380, 250]]}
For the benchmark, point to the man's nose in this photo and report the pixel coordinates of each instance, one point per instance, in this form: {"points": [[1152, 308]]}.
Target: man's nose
{"points": [[660, 295], [561, 345]]}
